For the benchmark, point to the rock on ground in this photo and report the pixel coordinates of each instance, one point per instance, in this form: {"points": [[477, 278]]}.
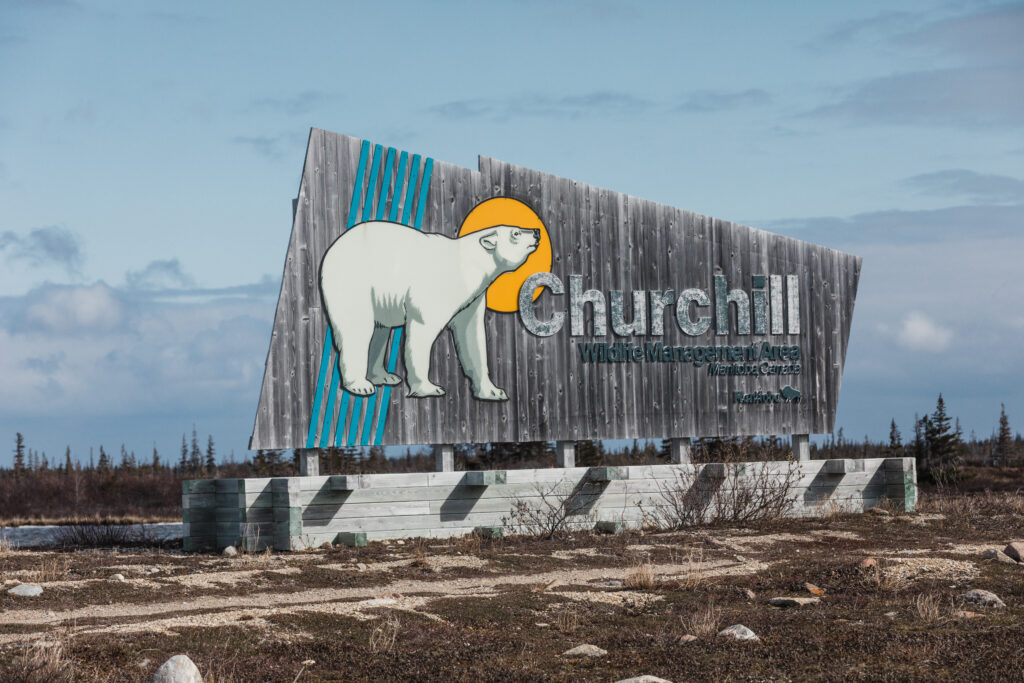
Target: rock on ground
{"points": [[688, 638], [1015, 551], [117, 577], [26, 590], [644, 679], [229, 551], [998, 556], [739, 632], [868, 563], [814, 590], [878, 511], [793, 602], [585, 651], [177, 669], [983, 598]]}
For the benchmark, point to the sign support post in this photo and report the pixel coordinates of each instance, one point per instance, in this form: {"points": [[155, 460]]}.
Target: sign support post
{"points": [[565, 453], [801, 446], [444, 457], [679, 449], [309, 462]]}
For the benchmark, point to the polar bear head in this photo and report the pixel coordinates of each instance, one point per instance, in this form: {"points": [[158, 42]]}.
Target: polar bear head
{"points": [[508, 245]]}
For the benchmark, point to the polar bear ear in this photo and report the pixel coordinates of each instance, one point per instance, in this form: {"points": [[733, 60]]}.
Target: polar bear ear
{"points": [[489, 241]]}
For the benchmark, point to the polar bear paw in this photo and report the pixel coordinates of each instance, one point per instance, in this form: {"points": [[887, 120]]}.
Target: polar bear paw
{"points": [[385, 378], [425, 390], [490, 393], [360, 387]]}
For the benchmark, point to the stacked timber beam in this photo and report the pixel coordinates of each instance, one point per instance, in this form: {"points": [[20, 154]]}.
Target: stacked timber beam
{"points": [[291, 513]]}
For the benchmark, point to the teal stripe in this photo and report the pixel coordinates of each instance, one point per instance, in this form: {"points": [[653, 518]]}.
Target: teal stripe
{"points": [[373, 405], [399, 182], [385, 183], [338, 433], [371, 189], [325, 433], [410, 190], [371, 193], [314, 418], [423, 192], [330, 422]]}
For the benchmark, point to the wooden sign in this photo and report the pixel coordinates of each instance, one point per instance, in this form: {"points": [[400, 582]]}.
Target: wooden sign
{"points": [[427, 303]]}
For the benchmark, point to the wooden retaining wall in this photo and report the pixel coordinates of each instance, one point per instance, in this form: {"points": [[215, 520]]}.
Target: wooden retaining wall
{"points": [[291, 513]]}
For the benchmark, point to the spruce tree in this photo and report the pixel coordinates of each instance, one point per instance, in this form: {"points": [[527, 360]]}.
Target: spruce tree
{"points": [[211, 460], [195, 456], [944, 444], [183, 463], [19, 454], [895, 449], [1004, 439], [67, 460], [104, 462]]}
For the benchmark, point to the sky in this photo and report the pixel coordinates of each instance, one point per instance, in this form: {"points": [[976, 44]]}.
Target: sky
{"points": [[149, 153]]}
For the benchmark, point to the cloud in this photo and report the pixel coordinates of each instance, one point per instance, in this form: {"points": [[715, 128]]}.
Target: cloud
{"points": [[703, 101], [157, 275], [952, 224], [272, 147], [50, 245], [920, 333], [596, 103], [977, 187], [77, 350], [856, 29], [68, 309], [992, 35], [973, 97], [976, 83], [296, 105]]}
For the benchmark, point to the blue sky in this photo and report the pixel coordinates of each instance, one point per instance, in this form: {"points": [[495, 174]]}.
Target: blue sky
{"points": [[149, 153]]}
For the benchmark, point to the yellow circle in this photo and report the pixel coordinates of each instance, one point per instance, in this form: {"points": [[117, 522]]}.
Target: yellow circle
{"points": [[503, 294]]}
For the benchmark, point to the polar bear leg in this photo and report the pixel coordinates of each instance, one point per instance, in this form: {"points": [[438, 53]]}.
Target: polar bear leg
{"points": [[419, 339], [471, 345], [378, 373], [353, 345]]}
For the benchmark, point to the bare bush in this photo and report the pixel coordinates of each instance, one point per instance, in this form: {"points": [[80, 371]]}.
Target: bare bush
{"points": [[567, 620], [724, 493], [383, 638], [693, 576], [928, 608], [703, 623], [554, 510], [642, 576], [45, 661], [107, 536]]}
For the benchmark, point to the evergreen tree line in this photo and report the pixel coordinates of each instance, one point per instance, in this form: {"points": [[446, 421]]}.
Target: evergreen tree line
{"points": [[36, 487]]}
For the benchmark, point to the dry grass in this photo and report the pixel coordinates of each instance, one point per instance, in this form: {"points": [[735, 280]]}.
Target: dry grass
{"points": [[833, 510], [703, 623], [641, 577], [884, 581], [52, 568], [567, 620], [929, 608], [964, 509], [383, 638], [46, 661], [5, 546], [693, 576]]}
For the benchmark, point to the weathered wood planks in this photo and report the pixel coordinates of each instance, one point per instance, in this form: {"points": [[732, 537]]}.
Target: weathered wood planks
{"points": [[616, 242]]}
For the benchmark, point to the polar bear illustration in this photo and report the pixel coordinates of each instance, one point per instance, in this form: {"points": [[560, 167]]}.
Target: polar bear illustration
{"points": [[379, 275]]}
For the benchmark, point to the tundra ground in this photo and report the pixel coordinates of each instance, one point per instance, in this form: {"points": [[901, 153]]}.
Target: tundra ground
{"points": [[472, 609]]}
